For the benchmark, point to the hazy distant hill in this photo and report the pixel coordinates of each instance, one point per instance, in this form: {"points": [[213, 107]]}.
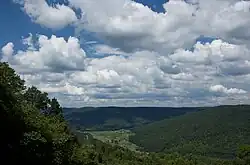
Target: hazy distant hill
{"points": [[112, 118], [216, 131]]}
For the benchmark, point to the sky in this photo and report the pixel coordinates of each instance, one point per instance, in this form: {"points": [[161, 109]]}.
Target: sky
{"points": [[130, 53]]}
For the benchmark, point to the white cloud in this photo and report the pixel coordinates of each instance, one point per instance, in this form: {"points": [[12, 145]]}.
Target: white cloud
{"points": [[215, 52], [183, 78], [105, 49], [67, 88], [55, 17], [222, 89], [53, 54], [7, 50], [131, 26]]}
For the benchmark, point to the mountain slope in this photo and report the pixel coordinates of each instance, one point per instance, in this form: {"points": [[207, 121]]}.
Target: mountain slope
{"points": [[215, 132], [113, 118]]}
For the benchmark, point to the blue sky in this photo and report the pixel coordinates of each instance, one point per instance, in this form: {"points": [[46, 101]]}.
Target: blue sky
{"points": [[122, 53], [15, 24], [154, 5]]}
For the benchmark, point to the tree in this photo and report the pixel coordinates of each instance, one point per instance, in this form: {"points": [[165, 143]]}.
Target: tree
{"points": [[39, 99], [55, 108], [10, 80], [243, 154], [27, 135], [12, 125], [42, 102]]}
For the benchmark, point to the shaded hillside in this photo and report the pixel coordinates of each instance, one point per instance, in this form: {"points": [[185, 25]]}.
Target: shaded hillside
{"points": [[212, 132], [113, 118]]}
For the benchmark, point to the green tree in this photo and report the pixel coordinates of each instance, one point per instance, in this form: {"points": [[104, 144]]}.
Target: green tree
{"points": [[39, 99], [27, 135], [12, 125], [55, 108], [10, 80], [243, 155]]}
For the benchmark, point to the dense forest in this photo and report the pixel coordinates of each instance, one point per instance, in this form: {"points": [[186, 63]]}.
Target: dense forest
{"points": [[113, 118], [34, 131], [214, 132]]}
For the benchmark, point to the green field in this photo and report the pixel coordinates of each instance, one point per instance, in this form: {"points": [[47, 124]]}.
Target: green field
{"points": [[118, 137]]}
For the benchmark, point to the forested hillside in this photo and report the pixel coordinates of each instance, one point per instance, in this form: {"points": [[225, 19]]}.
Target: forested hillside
{"points": [[215, 132], [34, 131], [113, 118]]}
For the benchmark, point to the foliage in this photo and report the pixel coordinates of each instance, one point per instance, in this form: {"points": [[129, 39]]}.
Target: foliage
{"points": [[29, 136], [9, 79], [243, 155], [214, 132]]}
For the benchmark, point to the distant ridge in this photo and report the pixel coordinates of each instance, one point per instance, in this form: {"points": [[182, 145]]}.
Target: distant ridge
{"points": [[113, 118]]}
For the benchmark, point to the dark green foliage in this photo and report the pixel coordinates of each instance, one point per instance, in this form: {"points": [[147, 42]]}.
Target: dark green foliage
{"points": [[214, 132], [39, 99], [55, 108], [27, 135], [11, 118], [10, 80], [113, 118], [243, 154]]}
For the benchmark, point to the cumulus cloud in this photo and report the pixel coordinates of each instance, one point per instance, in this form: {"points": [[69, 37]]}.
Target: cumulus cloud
{"points": [[222, 89], [183, 78], [7, 50], [55, 17], [214, 52], [131, 26], [66, 89], [52, 54], [105, 49]]}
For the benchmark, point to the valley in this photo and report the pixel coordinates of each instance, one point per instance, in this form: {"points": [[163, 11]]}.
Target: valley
{"points": [[214, 132]]}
